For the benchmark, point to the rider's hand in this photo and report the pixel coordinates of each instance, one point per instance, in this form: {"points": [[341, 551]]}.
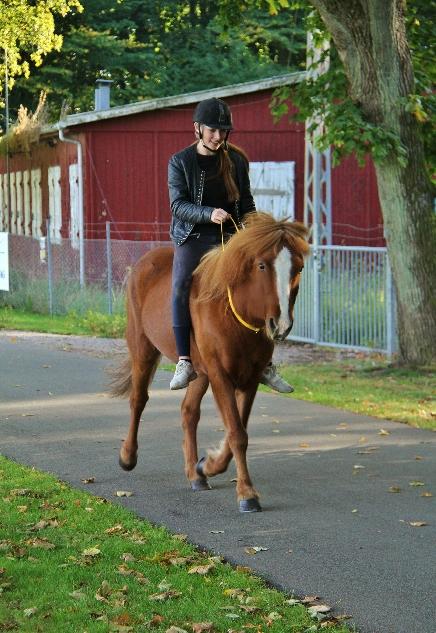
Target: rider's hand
{"points": [[219, 215]]}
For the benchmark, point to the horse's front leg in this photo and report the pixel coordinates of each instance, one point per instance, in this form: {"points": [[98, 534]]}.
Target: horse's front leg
{"points": [[220, 458], [236, 441], [190, 417]]}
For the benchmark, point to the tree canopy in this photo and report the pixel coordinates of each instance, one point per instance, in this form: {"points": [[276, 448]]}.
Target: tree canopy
{"points": [[159, 48], [27, 32]]}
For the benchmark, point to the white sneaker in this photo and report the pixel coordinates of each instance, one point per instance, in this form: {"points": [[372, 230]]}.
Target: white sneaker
{"points": [[183, 375], [271, 379]]}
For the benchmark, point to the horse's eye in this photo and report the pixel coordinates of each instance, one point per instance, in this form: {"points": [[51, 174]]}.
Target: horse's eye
{"points": [[262, 266]]}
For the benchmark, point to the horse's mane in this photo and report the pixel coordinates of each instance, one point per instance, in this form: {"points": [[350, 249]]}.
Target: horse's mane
{"points": [[219, 269]]}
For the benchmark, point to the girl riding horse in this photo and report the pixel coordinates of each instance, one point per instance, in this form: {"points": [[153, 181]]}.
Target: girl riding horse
{"points": [[209, 190]]}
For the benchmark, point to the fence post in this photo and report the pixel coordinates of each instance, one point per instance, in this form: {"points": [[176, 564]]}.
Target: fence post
{"points": [[390, 311], [109, 267], [316, 255], [49, 268]]}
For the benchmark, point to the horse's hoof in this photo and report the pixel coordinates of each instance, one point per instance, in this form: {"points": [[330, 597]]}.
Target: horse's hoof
{"points": [[200, 484], [250, 505], [199, 467], [125, 466]]}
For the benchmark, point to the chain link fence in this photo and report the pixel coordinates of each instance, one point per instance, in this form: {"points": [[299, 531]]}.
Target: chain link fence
{"points": [[346, 296]]}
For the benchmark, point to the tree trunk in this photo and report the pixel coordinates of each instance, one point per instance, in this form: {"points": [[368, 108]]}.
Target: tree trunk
{"points": [[371, 41]]}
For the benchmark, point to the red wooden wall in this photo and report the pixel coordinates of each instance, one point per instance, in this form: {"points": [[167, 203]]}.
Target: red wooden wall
{"points": [[125, 170]]}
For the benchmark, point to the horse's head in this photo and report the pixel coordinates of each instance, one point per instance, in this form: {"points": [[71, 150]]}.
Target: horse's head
{"points": [[270, 289], [262, 266], [284, 285]]}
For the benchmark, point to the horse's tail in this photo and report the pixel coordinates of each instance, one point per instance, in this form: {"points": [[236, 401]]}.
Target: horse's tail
{"points": [[121, 383]]}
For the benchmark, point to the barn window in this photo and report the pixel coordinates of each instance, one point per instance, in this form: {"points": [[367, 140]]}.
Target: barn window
{"points": [[54, 202], [35, 181], [273, 188]]}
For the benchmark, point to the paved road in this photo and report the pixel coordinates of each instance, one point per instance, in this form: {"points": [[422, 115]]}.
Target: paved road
{"points": [[331, 526]]}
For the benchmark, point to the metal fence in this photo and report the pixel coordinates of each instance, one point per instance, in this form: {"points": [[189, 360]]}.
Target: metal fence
{"points": [[346, 296], [346, 299]]}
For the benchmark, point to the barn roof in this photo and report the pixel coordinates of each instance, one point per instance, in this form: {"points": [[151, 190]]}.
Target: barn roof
{"points": [[148, 105]]}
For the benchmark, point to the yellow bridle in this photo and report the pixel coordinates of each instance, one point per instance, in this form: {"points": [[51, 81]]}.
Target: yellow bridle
{"points": [[229, 294]]}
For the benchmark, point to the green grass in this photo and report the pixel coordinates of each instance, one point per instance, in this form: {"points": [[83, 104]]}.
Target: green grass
{"points": [[370, 387], [92, 323], [71, 563]]}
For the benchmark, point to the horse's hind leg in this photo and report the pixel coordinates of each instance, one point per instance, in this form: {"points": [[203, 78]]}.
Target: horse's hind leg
{"points": [[142, 372], [190, 417]]}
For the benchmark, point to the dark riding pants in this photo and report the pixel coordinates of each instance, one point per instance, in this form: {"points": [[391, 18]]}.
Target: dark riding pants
{"points": [[186, 259]]}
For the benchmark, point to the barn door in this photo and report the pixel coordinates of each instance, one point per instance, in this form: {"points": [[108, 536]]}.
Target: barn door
{"points": [[74, 205], [273, 188], [35, 183], [54, 202]]}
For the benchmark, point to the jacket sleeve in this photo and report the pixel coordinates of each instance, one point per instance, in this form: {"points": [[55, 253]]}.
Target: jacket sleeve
{"points": [[181, 203], [246, 201]]}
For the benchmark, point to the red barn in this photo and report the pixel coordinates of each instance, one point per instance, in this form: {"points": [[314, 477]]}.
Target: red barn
{"points": [[125, 154]]}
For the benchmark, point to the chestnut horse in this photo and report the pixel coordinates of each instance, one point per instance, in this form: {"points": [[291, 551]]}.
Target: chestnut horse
{"points": [[237, 309]]}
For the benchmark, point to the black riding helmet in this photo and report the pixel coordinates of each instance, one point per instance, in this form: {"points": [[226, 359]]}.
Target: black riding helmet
{"points": [[214, 113]]}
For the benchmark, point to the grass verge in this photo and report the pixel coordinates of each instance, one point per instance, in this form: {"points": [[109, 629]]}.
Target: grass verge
{"points": [[372, 388], [76, 563], [92, 323]]}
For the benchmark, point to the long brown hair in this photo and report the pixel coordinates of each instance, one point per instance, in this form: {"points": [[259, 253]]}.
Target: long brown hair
{"points": [[227, 169]]}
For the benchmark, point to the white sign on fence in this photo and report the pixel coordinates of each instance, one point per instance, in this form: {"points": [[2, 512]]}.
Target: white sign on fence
{"points": [[4, 261]]}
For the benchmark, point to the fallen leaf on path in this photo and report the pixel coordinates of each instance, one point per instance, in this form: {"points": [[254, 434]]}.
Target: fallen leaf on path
{"points": [[415, 484], [255, 549], [383, 432], [88, 480], [368, 451], [304, 445], [418, 523], [394, 489], [320, 608], [123, 493], [418, 458], [426, 494], [216, 531]]}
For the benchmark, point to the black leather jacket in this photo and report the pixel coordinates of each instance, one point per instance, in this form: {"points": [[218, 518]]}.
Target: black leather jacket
{"points": [[186, 183]]}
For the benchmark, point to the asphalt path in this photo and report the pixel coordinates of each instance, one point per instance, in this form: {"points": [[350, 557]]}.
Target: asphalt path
{"points": [[331, 526]]}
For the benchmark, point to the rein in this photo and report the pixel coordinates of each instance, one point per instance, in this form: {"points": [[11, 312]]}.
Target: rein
{"points": [[229, 294]]}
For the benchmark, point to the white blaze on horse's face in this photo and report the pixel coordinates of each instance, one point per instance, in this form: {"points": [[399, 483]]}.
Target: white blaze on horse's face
{"points": [[283, 266]]}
